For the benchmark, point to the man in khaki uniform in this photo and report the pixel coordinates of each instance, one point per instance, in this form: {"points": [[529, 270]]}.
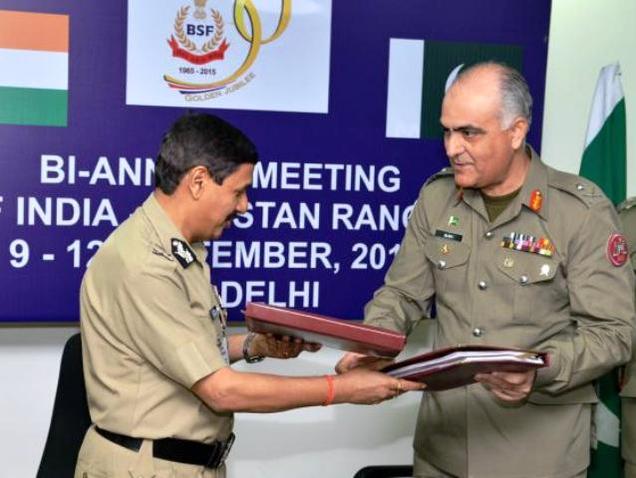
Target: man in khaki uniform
{"points": [[156, 357], [514, 254], [627, 215]]}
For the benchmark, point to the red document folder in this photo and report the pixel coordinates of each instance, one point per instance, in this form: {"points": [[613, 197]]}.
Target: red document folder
{"points": [[331, 332], [456, 366]]}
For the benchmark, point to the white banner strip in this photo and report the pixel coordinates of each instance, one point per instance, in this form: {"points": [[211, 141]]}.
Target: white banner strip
{"points": [[33, 69], [404, 99]]}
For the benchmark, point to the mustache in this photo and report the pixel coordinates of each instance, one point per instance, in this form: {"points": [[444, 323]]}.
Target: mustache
{"points": [[459, 160]]}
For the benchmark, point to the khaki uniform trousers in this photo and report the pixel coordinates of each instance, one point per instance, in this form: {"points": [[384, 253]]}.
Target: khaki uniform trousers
{"points": [[424, 469], [629, 436], [101, 458]]}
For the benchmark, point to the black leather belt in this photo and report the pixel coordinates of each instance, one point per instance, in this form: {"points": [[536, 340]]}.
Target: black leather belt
{"points": [[211, 455]]}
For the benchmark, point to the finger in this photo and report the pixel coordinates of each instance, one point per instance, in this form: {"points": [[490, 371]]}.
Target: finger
{"points": [[493, 381], [508, 396], [374, 363], [409, 386], [513, 378], [347, 362], [509, 383]]}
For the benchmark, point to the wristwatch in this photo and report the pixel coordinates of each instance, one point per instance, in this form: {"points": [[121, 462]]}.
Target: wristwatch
{"points": [[247, 343]]}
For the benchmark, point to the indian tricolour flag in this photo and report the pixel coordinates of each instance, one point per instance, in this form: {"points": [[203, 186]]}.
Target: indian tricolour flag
{"points": [[420, 70], [33, 68]]}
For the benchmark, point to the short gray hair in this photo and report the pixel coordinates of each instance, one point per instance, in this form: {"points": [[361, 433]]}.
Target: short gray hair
{"points": [[515, 95]]}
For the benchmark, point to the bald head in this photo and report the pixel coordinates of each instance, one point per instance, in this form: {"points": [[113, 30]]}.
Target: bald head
{"points": [[503, 83]]}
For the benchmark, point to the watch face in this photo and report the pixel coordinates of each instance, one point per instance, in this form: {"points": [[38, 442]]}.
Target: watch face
{"points": [[246, 349], [255, 359]]}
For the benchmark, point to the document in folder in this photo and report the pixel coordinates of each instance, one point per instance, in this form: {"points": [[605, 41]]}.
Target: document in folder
{"points": [[329, 331], [454, 367]]}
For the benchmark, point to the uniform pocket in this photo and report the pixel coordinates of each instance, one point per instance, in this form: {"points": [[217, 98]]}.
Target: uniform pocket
{"points": [[449, 260], [539, 288]]}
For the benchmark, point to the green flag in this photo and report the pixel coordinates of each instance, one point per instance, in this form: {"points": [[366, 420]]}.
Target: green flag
{"points": [[604, 162], [419, 71]]}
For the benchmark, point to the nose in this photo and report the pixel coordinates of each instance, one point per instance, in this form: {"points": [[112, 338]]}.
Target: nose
{"points": [[453, 144], [241, 207]]}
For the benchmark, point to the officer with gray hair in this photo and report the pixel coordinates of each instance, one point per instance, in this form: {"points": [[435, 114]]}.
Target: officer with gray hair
{"points": [[515, 254]]}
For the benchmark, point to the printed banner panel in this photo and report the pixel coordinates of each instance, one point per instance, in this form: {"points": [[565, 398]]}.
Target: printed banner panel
{"points": [[250, 55], [342, 100]]}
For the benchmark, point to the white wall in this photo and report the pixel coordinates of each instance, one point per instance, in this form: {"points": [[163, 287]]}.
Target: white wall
{"points": [[586, 35], [333, 442], [29, 364]]}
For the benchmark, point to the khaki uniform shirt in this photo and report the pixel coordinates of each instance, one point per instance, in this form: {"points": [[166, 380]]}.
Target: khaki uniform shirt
{"points": [[573, 304], [627, 215], [151, 328]]}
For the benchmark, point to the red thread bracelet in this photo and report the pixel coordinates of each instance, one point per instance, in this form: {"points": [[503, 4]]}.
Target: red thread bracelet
{"points": [[331, 391]]}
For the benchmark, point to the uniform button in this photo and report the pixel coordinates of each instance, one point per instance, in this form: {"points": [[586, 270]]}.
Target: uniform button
{"points": [[489, 234], [523, 279], [441, 264], [482, 285], [580, 187], [478, 332]]}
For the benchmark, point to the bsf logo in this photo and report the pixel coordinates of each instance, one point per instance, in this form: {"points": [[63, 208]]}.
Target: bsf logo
{"points": [[215, 56]]}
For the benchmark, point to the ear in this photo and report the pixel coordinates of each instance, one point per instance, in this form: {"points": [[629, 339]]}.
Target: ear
{"points": [[196, 179], [518, 132]]}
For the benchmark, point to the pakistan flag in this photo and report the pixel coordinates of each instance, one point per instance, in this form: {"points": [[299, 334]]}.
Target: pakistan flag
{"points": [[604, 162], [419, 71]]}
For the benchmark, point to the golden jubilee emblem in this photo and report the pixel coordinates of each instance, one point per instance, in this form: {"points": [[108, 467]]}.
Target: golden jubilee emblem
{"points": [[214, 56]]}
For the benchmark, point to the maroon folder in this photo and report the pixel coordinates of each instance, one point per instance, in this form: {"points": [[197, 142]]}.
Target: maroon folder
{"points": [[329, 331], [456, 366]]}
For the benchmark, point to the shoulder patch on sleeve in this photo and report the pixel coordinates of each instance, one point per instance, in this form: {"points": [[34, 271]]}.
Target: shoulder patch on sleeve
{"points": [[583, 189], [617, 250]]}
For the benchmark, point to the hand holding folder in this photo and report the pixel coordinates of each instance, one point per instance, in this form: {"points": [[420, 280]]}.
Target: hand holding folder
{"points": [[329, 331], [457, 366]]}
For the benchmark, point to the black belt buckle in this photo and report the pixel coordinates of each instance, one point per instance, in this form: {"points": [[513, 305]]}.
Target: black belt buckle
{"points": [[221, 452]]}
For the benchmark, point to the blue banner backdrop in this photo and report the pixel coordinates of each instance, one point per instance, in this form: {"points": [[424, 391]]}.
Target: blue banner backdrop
{"points": [[333, 191]]}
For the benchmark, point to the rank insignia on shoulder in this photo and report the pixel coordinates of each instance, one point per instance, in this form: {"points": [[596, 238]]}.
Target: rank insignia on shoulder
{"points": [[536, 200], [182, 252], [617, 251], [528, 243]]}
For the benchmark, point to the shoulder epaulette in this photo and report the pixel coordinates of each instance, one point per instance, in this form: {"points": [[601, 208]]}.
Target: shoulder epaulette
{"points": [[626, 204], [583, 189], [442, 173]]}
